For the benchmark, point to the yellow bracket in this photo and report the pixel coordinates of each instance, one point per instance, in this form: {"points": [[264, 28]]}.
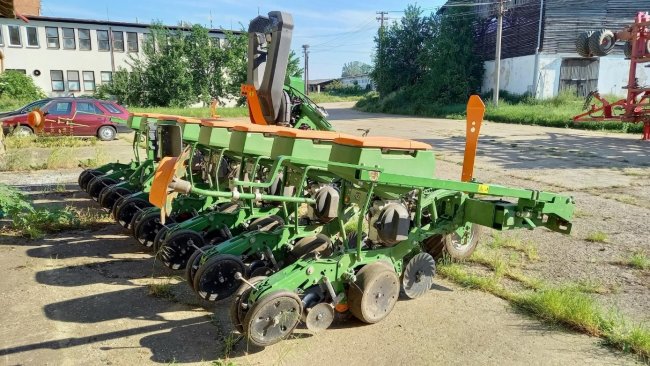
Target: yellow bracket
{"points": [[253, 101], [475, 114]]}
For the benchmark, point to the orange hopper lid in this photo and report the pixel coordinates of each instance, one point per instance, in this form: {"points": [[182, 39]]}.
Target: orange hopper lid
{"points": [[382, 142], [222, 124], [311, 134], [250, 127]]}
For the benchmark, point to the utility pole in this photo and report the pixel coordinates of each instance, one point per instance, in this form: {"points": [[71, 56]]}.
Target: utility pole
{"points": [[497, 56], [305, 49], [381, 18]]}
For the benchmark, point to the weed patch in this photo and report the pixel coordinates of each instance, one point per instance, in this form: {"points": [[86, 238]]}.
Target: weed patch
{"points": [[597, 237], [161, 290]]}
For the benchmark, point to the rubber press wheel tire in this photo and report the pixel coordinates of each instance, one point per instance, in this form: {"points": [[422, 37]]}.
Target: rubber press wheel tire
{"points": [[128, 208], [215, 279], [374, 294], [146, 229], [272, 318], [178, 247], [96, 186], [193, 264], [160, 237], [627, 49], [267, 223], [311, 245], [601, 42], [86, 176], [106, 133], [109, 196], [240, 297]]}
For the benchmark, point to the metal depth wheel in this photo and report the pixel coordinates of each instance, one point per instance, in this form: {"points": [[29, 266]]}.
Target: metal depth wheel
{"points": [[86, 176], [109, 195], [215, 279], [462, 247], [239, 305], [146, 229], [193, 264], [161, 236], [273, 318], [319, 317], [177, 248], [418, 275], [128, 208], [96, 185], [374, 294]]}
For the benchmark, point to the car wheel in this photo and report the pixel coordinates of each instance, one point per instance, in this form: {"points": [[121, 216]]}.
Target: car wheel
{"points": [[106, 133], [21, 130]]}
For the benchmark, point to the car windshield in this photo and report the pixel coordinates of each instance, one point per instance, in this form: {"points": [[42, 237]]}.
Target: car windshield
{"points": [[33, 105]]}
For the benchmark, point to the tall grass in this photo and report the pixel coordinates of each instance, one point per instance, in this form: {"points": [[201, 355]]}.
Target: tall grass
{"points": [[194, 112]]}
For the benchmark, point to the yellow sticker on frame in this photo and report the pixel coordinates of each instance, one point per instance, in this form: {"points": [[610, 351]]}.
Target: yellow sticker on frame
{"points": [[483, 188]]}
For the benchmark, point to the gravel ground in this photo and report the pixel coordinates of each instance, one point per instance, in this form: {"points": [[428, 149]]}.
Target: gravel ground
{"points": [[81, 297]]}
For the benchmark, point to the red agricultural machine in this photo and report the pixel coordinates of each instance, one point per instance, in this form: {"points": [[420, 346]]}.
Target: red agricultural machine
{"points": [[635, 107]]}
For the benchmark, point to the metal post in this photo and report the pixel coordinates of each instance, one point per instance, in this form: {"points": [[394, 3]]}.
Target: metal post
{"points": [[305, 48], [381, 18], [497, 56], [537, 50]]}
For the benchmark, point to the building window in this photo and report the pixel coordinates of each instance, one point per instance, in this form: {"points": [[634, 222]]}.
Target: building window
{"points": [[2, 42], [118, 41], [103, 44], [73, 81], [132, 41], [107, 77], [87, 107], [84, 40], [89, 80], [14, 36], [68, 39], [52, 35], [57, 80], [32, 36], [22, 71]]}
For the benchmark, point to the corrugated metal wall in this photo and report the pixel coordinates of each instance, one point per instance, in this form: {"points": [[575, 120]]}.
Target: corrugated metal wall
{"points": [[563, 21]]}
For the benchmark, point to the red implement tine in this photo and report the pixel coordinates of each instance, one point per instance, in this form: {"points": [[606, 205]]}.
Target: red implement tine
{"points": [[475, 113]]}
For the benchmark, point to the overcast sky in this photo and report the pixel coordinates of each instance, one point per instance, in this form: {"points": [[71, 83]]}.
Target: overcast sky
{"points": [[338, 31]]}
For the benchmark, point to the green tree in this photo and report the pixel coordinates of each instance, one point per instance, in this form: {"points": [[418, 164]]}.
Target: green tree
{"points": [[18, 86], [293, 66], [355, 68]]}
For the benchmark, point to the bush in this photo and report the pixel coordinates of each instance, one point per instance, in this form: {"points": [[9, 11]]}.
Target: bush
{"points": [[18, 86]]}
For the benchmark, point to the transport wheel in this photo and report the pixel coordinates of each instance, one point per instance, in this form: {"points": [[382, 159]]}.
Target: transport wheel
{"points": [[602, 42], [319, 317], [462, 247], [418, 275], [193, 264], [273, 318], [374, 294], [178, 247], [582, 44], [109, 195], [97, 184], [215, 279], [146, 229], [318, 244], [128, 208], [239, 305], [268, 223], [86, 176], [161, 236]]}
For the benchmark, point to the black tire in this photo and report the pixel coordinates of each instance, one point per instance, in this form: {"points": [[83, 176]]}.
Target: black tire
{"points": [[116, 206], [193, 264], [459, 252], [627, 49], [106, 133], [128, 208], [135, 220], [86, 176], [267, 223], [178, 247], [361, 298], [146, 229], [601, 42], [582, 44], [237, 312], [96, 186], [311, 245], [161, 236], [109, 196], [215, 279]]}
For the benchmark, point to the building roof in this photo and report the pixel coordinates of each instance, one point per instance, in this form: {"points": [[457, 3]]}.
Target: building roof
{"points": [[119, 24], [320, 81]]}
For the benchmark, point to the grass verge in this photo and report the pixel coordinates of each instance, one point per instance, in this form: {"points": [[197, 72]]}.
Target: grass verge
{"points": [[325, 97], [21, 142]]}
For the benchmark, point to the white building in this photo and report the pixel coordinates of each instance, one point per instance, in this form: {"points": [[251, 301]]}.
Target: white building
{"points": [[71, 56], [363, 81]]}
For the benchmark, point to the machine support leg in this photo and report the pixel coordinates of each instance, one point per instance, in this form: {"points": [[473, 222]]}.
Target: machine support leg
{"points": [[646, 131]]}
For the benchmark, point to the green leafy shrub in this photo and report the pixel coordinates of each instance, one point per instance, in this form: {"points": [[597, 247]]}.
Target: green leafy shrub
{"points": [[18, 87]]}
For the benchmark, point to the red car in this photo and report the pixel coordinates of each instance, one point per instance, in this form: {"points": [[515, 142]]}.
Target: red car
{"points": [[75, 117]]}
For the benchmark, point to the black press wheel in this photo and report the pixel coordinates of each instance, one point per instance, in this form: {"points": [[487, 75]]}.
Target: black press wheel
{"points": [[108, 196], [215, 279], [374, 293], [239, 305], [268, 223], [272, 318], [146, 229], [178, 247], [193, 264], [97, 184], [86, 176], [161, 236], [128, 208]]}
